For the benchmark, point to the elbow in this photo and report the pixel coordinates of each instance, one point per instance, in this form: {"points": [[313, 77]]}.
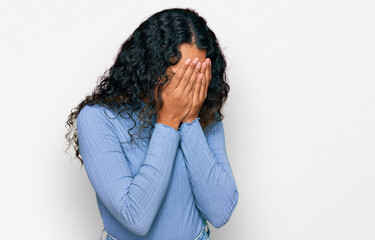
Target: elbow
{"points": [[220, 219], [140, 230], [143, 229], [137, 226], [135, 221]]}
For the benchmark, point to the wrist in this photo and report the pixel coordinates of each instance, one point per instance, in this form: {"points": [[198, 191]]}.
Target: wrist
{"points": [[172, 123], [188, 120]]}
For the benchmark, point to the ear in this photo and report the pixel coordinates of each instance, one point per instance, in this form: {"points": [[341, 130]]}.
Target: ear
{"points": [[173, 60], [169, 73]]}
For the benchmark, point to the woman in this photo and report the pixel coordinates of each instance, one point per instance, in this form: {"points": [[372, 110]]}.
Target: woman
{"points": [[163, 89]]}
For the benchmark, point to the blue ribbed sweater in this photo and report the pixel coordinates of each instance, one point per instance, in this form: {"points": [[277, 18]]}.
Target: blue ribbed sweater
{"points": [[163, 187]]}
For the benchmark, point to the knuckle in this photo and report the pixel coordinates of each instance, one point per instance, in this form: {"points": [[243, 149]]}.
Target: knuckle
{"points": [[177, 75]]}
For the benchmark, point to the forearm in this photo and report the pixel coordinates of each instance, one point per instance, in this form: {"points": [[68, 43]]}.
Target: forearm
{"points": [[212, 181], [149, 186]]}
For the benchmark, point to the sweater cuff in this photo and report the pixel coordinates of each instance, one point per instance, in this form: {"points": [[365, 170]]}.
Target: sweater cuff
{"points": [[168, 129], [187, 124]]}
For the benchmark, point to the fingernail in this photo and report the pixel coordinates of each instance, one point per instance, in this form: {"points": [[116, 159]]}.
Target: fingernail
{"points": [[198, 65], [188, 61], [195, 60], [204, 65]]}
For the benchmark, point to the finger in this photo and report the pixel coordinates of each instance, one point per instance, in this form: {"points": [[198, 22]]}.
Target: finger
{"points": [[191, 81], [193, 77], [192, 94], [198, 87], [175, 81], [184, 81], [204, 79]]}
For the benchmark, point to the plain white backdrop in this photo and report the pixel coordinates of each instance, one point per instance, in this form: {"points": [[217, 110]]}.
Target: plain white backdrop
{"points": [[299, 120]]}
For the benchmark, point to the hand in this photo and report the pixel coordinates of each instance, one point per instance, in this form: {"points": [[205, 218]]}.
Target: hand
{"points": [[177, 94], [200, 91]]}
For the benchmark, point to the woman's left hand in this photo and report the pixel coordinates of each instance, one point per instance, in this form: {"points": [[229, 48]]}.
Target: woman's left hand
{"points": [[200, 91]]}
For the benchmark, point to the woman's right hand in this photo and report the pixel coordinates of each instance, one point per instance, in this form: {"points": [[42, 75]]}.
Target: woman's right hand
{"points": [[177, 94]]}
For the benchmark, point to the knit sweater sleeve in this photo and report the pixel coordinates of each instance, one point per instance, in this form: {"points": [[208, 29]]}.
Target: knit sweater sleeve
{"points": [[133, 200], [213, 185]]}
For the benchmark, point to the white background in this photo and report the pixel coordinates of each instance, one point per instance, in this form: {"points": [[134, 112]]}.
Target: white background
{"points": [[299, 120]]}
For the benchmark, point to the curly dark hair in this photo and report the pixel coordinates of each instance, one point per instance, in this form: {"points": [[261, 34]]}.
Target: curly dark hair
{"points": [[144, 58]]}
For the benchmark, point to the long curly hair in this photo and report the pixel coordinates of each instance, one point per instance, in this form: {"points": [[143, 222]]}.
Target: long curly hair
{"points": [[143, 59]]}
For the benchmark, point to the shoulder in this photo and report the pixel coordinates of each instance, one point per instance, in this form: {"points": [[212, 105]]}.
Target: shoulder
{"points": [[98, 118], [98, 111], [89, 113], [95, 114]]}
